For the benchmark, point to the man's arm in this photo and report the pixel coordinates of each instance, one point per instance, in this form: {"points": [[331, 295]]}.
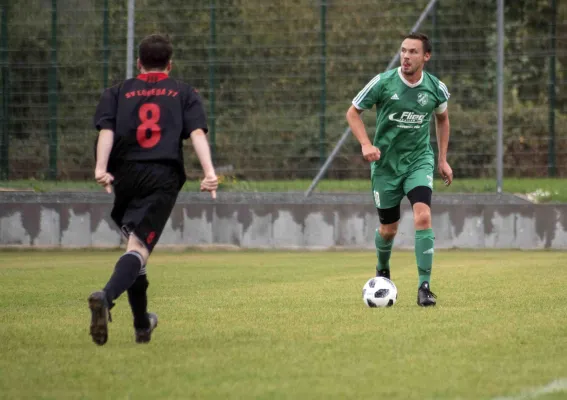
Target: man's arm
{"points": [[201, 146], [369, 151], [103, 149], [442, 132], [105, 124]]}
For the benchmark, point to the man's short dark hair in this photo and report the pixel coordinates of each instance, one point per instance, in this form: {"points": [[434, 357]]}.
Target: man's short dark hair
{"points": [[155, 52], [427, 48]]}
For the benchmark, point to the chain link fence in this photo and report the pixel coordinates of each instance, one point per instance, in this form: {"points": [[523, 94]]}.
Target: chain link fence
{"points": [[278, 77]]}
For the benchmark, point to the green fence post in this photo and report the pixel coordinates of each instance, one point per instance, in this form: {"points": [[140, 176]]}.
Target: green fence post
{"points": [[435, 39], [105, 49], [551, 170], [434, 69], [323, 79], [212, 54], [4, 110], [52, 95]]}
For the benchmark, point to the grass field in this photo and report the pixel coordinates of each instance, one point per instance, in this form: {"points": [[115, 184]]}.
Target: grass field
{"points": [[287, 325], [541, 190]]}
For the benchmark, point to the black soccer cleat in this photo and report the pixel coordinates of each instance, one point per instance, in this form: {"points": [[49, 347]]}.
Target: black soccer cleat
{"points": [[100, 315], [425, 297], [145, 335], [384, 273]]}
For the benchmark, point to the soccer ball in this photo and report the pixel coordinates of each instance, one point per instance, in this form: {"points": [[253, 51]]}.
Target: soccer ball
{"points": [[379, 292]]}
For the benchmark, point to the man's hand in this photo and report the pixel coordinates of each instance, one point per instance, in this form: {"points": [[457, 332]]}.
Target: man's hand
{"points": [[445, 171], [370, 152], [104, 179], [210, 184]]}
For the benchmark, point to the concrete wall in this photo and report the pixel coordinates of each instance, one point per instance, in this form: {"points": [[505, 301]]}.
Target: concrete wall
{"points": [[282, 220]]}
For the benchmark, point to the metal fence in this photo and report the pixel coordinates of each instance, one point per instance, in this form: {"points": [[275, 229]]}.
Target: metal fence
{"points": [[278, 77]]}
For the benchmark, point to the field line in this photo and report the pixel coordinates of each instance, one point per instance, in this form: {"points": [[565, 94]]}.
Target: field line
{"points": [[557, 386]]}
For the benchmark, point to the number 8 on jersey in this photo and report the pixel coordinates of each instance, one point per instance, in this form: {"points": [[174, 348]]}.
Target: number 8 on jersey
{"points": [[149, 132]]}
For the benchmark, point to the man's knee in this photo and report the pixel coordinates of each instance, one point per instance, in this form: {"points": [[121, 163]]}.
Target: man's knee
{"points": [[420, 200], [135, 244], [422, 217], [389, 231]]}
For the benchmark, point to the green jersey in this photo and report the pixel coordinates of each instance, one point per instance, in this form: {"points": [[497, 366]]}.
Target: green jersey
{"points": [[403, 113]]}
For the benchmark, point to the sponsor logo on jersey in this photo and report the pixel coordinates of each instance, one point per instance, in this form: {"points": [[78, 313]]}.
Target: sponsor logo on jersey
{"points": [[422, 98], [395, 97], [408, 117]]}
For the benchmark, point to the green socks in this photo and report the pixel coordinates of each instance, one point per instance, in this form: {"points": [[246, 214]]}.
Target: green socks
{"points": [[424, 244], [424, 241], [383, 251]]}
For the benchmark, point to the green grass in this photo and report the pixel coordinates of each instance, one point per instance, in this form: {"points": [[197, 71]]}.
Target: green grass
{"points": [[542, 189], [286, 325]]}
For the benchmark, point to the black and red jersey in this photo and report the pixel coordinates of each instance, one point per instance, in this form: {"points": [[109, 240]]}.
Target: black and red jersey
{"points": [[150, 116]]}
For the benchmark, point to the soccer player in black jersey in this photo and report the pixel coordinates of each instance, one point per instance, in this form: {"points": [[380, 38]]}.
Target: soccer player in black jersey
{"points": [[142, 123]]}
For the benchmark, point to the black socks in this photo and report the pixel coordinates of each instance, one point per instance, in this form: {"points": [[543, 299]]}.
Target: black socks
{"points": [[138, 300], [125, 273]]}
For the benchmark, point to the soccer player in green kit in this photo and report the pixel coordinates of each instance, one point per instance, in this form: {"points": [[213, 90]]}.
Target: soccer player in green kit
{"points": [[401, 156]]}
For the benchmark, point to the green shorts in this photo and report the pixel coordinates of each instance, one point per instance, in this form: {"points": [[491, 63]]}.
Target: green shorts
{"points": [[388, 191]]}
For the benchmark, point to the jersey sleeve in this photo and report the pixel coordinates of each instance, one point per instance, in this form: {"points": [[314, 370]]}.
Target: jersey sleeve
{"points": [[194, 115], [369, 95], [105, 114], [443, 97]]}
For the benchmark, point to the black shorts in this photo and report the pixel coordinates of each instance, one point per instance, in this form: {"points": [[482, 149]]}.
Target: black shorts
{"points": [[145, 193]]}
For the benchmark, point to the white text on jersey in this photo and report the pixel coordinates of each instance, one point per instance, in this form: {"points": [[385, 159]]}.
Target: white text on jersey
{"points": [[408, 117]]}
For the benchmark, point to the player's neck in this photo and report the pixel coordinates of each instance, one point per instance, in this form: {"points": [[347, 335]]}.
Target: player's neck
{"points": [[154, 71], [413, 78]]}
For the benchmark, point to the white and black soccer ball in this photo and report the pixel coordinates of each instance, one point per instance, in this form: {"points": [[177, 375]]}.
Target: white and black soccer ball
{"points": [[379, 292]]}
